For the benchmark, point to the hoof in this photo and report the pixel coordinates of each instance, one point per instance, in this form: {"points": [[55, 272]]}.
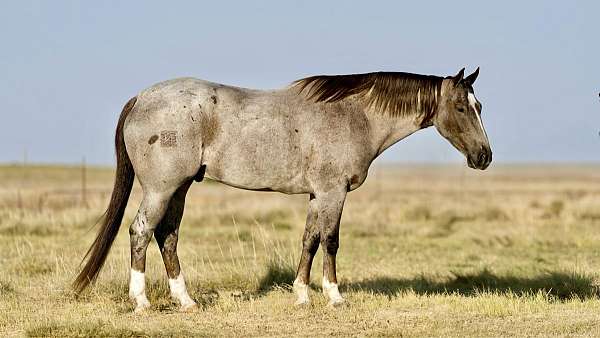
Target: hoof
{"points": [[192, 307], [337, 302]]}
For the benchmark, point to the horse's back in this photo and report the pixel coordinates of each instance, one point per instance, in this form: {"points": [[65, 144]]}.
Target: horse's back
{"points": [[234, 132]]}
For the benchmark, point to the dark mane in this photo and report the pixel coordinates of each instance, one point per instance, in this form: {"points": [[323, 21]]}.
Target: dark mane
{"points": [[393, 92]]}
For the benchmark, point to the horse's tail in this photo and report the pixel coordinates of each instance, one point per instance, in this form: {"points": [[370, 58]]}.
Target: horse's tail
{"points": [[111, 220]]}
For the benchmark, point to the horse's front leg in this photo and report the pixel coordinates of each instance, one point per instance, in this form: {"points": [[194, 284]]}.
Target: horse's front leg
{"points": [[322, 225], [310, 245], [330, 211]]}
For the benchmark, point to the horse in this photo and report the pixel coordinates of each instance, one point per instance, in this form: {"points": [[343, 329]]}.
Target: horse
{"points": [[317, 136]]}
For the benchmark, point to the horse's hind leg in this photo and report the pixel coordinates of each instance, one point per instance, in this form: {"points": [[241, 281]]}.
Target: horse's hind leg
{"points": [[151, 211], [166, 235]]}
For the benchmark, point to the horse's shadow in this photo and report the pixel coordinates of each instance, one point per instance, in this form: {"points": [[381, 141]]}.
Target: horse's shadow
{"points": [[558, 285]]}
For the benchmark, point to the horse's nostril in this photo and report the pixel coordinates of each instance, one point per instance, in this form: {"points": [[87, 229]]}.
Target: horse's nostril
{"points": [[482, 158]]}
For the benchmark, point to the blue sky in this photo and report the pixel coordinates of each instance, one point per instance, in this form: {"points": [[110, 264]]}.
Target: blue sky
{"points": [[67, 67]]}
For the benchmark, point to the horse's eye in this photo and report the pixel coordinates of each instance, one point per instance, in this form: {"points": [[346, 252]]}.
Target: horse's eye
{"points": [[461, 109]]}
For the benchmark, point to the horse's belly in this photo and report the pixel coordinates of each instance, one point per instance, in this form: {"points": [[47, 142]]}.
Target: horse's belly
{"points": [[254, 174], [257, 164]]}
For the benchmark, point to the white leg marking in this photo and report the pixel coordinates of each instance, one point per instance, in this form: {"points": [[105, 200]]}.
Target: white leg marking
{"points": [[180, 294], [331, 291], [301, 291], [137, 290]]}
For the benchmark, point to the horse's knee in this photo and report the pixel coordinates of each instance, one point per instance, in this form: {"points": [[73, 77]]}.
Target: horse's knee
{"points": [[311, 242], [331, 243]]}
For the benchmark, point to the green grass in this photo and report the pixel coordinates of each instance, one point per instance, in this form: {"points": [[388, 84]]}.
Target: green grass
{"points": [[425, 251]]}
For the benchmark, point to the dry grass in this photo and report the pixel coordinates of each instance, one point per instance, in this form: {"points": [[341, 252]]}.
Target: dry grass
{"points": [[425, 251]]}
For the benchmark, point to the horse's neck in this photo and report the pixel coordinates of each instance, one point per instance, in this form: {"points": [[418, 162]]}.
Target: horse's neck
{"points": [[387, 130]]}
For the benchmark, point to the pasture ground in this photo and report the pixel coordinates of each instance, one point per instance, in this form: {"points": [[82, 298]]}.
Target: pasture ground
{"points": [[425, 251]]}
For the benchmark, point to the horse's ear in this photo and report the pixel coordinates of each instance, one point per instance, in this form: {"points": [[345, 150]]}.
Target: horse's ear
{"points": [[458, 77], [471, 78]]}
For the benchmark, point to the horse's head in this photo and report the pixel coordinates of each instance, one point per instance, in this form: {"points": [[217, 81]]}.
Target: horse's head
{"points": [[458, 119]]}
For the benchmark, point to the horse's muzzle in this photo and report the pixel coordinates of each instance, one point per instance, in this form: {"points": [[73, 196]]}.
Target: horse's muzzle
{"points": [[481, 160]]}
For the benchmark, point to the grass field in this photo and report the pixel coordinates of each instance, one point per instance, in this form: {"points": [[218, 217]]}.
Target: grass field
{"points": [[425, 251]]}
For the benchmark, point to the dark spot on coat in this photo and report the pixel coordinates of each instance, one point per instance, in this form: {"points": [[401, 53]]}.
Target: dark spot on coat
{"points": [[353, 183], [153, 139], [214, 99], [184, 107], [296, 130]]}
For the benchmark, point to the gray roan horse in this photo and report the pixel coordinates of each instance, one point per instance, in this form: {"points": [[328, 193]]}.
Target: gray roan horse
{"points": [[318, 137]]}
